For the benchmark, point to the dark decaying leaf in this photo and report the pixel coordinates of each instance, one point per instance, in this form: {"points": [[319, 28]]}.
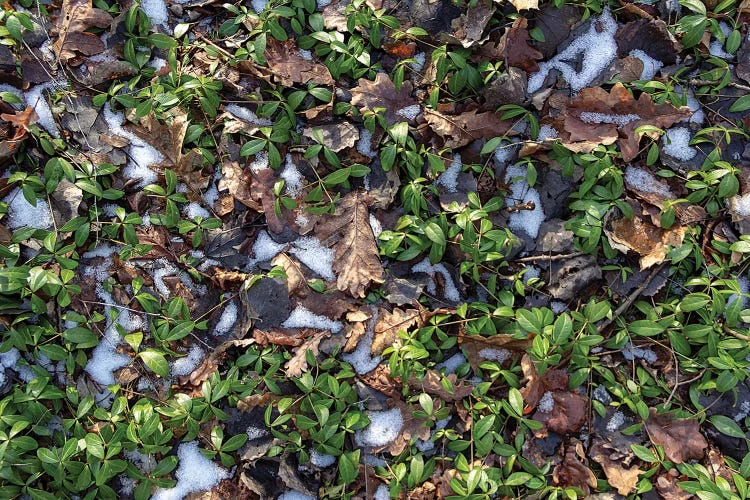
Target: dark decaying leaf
{"points": [[382, 93], [680, 437], [652, 37], [572, 472], [460, 130], [517, 51], [569, 413]]}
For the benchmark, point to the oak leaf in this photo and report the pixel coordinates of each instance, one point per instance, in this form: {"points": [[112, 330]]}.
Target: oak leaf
{"points": [[431, 383], [288, 67], [571, 472], [460, 130], [382, 93], [357, 262], [389, 324], [680, 437], [474, 345], [595, 116], [622, 479], [21, 121], [77, 16], [517, 50], [298, 364]]}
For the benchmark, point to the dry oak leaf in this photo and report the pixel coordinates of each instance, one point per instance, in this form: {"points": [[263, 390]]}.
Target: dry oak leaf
{"points": [[595, 115], [77, 16], [517, 50], [288, 67], [357, 262], [413, 427], [569, 414], [298, 364], [666, 485], [431, 383], [622, 479], [571, 472], [460, 130], [389, 324], [473, 345], [21, 121], [680, 437], [335, 136], [382, 93]]}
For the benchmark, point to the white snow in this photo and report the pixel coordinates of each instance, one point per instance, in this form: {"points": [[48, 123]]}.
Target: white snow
{"points": [[504, 152], [384, 427], [419, 60], [631, 352], [301, 317], [677, 144], [194, 473], [381, 493], [311, 253], [375, 225], [449, 178], [321, 459], [244, 113], [616, 421], [227, 319], [650, 65], [451, 364], [595, 48], [557, 306], [361, 358], [322, 4], [546, 403], [292, 176], [35, 98], [293, 494], [619, 120], [145, 463], [520, 192], [716, 49], [364, 144], [188, 364], [265, 248], [644, 181], [194, 210], [156, 10], [744, 411], [740, 205], [601, 394], [499, 355], [141, 153], [410, 112], [255, 432], [305, 54], [451, 292], [260, 162], [545, 132], [531, 272], [22, 214]]}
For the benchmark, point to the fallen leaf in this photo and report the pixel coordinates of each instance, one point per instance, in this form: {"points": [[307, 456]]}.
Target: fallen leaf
{"points": [[666, 485], [21, 121], [382, 93], [680, 437], [401, 49], [388, 325], [248, 403], [517, 50], [624, 480], [298, 364], [77, 16], [431, 383], [357, 262], [287, 66], [569, 414], [292, 338], [336, 136], [468, 28], [595, 116], [652, 37], [413, 427], [474, 344], [460, 130], [572, 472], [523, 4]]}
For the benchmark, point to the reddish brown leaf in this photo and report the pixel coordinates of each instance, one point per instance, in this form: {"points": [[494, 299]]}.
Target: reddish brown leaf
{"points": [[400, 49], [568, 415], [288, 67], [77, 16], [460, 130], [572, 472], [680, 437], [382, 93], [474, 345], [21, 121], [666, 485], [518, 52], [298, 364]]}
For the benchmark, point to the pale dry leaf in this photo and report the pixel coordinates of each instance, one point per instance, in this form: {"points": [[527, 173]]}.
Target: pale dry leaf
{"points": [[523, 4], [666, 485], [381, 93], [77, 16], [460, 130], [389, 324], [357, 263], [296, 282], [413, 427], [624, 480], [680, 437], [474, 344], [298, 364], [335, 136], [431, 383]]}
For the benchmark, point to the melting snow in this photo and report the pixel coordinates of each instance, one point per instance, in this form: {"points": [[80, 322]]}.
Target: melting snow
{"points": [[364, 144], [259, 5], [188, 364], [601, 394], [381, 493], [418, 63], [227, 319], [294, 494], [321, 460], [311, 253], [361, 358], [449, 178], [546, 403], [619, 120], [385, 426], [22, 214], [650, 65], [677, 144], [631, 352], [246, 114], [265, 248], [260, 162], [643, 180], [499, 355], [194, 210], [616, 421], [744, 411], [595, 48], [142, 154], [520, 192], [375, 225], [35, 98], [292, 176], [301, 317], [194, 473], [545, 132], [410, 112], [451, 364], [451, 292], [156, 10], [146, 463]]}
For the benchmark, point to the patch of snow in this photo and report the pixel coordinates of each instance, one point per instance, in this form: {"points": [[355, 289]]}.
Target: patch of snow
{"points": [[631, 352], [449, 178], [643, 180], [596, 49], [141, 153], [305, 54], [156, 10], [381, 493], [260, 162], [419, 60], [743, 413], [601, 394], [194, 210], [520, 192], [546, 403], [22, 214], [256, 432], [364, 144], [504, 152], [744, 284], [650, 65], [545, 132], [318, 258], [499, 355], [322, 4], [321, 460], [557, 306], [531, 272], [194, 473], [361, 357], [294, 495], [35, 98], [451, 292], [227, 319], [301, 317], [188, 364], [615, 119], [265, 248], [385, 426], [375, 225], [677, 144], [292, 176], [740, 205], [616, 421], [145, 463], [245, 114], [410, 112], [451, 364]]}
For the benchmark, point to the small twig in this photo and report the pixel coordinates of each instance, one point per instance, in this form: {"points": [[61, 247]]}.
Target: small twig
{"points": [[537, 258], [631, 299], [735, 334]]}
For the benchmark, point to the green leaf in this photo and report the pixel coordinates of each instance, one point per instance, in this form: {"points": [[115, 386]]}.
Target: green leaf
{"points": [[516, 401], [435, 233], [349, 466], [727, 426], [741, 104], [162, 41], [694, 301], [645, 328], [156, 362], [644, 453]]}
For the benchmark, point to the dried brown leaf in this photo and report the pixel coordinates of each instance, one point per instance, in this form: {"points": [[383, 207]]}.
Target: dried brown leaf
{"points": [[524, 4], [431, 383], [336, 136], [518, 52], [680, 437], [460, 130], [382, 93], [622, 479], [571, 472], [666, 485], [289, 67], [357, 263], [413, 427], [77, 16], [388, 325], [569, 413], [298, 364], [474, 344]]}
